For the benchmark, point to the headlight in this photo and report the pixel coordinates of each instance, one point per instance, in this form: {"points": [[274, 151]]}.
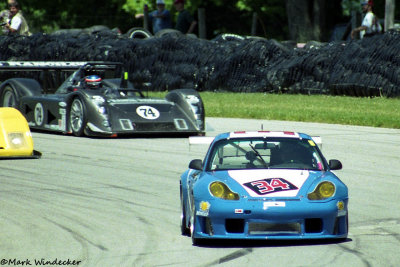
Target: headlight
{"points": [[17, 140], [322, 191], [220, 190]]}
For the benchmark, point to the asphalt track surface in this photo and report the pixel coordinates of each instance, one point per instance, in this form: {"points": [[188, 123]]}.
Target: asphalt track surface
{"points": [[115, 202]]}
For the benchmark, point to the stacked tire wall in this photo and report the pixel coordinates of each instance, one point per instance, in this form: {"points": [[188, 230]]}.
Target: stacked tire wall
{"points": [[368, 67]]}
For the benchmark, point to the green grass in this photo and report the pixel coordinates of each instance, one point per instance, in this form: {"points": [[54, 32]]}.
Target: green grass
{"points": [[375, 112]]}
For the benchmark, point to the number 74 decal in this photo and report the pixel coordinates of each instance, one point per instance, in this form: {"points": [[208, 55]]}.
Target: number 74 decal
{"points": [[147, 112]]}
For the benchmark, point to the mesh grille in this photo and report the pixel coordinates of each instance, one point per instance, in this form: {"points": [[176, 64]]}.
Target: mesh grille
{"points": [[273, 228]]}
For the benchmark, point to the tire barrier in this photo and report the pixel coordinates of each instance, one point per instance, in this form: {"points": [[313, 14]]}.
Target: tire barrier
{"points": [[169, 60]]}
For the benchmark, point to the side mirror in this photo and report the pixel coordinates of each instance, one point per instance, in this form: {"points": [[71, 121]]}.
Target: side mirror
{"points": [[335, 164], [196, 164]]}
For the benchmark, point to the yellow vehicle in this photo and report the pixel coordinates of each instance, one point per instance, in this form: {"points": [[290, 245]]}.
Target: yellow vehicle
{"points": [[15, 136]]}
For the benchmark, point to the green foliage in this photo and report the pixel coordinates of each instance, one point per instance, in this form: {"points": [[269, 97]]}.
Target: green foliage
{"points": [[379, 7], [50, 15], [222, 16], [137, 6], [350, 5]]}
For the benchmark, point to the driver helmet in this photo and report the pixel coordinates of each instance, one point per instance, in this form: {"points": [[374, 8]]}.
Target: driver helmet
{"points": [[93, 81]]}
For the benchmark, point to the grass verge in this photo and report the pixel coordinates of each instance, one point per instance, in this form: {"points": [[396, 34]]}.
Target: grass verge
{"points": [[375, 112]]}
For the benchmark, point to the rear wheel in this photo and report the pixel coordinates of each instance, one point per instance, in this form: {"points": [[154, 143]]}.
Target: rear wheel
{"points": [[77, 117], [9, 97]]}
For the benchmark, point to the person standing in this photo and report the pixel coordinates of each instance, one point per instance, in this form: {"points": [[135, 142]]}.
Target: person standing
{"points": [[370, 25], [18, 23], [185, 22], [160, 18], [5, 17]]}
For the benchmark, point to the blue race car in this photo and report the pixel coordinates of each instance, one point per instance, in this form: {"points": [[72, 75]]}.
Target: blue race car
{"points": [[263, 185]]}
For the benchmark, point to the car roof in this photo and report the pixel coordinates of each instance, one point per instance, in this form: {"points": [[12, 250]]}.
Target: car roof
{"points": [[261, 134], [207, 140]]}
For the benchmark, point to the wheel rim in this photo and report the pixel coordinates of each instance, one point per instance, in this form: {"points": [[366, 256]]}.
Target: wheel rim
{"points": [[9, 99], [76, 116]]}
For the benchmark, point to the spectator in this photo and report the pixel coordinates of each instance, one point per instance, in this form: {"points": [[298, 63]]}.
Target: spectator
{"points": [[160, 18], [5, 17], [370, 24], [185, 22], [18, 23]]}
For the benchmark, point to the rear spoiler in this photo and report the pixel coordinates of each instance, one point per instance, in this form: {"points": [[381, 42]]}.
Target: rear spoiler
{"points": [[51, 65], [200, 140], [207, 140], [53, 73]]}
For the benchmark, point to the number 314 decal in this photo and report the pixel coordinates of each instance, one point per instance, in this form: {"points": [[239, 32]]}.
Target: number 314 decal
{"points": [[147, 112], [266, 186]]}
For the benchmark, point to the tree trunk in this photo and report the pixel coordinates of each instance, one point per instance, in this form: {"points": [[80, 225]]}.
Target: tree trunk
{"points": [[300, 25], [307, 19], [389, 14], [319, 20]]}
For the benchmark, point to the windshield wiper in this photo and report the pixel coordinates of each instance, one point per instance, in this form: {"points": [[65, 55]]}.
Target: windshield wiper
{"points": [[258, 155]]}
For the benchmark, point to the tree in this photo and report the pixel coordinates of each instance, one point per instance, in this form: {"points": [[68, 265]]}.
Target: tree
{"points": [[299, 20], [50, 15], [312, 19]]}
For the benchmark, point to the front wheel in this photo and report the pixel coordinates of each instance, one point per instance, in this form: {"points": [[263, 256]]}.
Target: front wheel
{"points": [[9, 97], [77, 117], [184, 230], [195, 241]]}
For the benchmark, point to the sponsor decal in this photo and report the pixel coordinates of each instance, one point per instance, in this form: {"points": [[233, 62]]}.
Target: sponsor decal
{"points": [[239, 211], [204, 208], [147, 112], [270, 185]]}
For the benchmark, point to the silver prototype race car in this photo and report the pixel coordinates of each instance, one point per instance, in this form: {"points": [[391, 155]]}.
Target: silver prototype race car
{"points": [[97, 99]]}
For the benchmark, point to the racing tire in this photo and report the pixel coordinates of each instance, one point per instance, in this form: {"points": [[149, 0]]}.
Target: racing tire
{"points": [[139, 33], [170, 32], [9, 97], [184, 230], [77, 117]]}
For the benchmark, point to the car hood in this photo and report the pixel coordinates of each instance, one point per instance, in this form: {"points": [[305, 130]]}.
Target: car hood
{"points": [[271, 182]]}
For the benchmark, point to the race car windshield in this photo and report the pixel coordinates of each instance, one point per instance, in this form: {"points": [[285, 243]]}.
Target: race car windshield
{"points": [[270, 153]]}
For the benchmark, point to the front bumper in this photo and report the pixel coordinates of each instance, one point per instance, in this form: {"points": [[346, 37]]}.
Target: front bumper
{"points": [[295, 219]]}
